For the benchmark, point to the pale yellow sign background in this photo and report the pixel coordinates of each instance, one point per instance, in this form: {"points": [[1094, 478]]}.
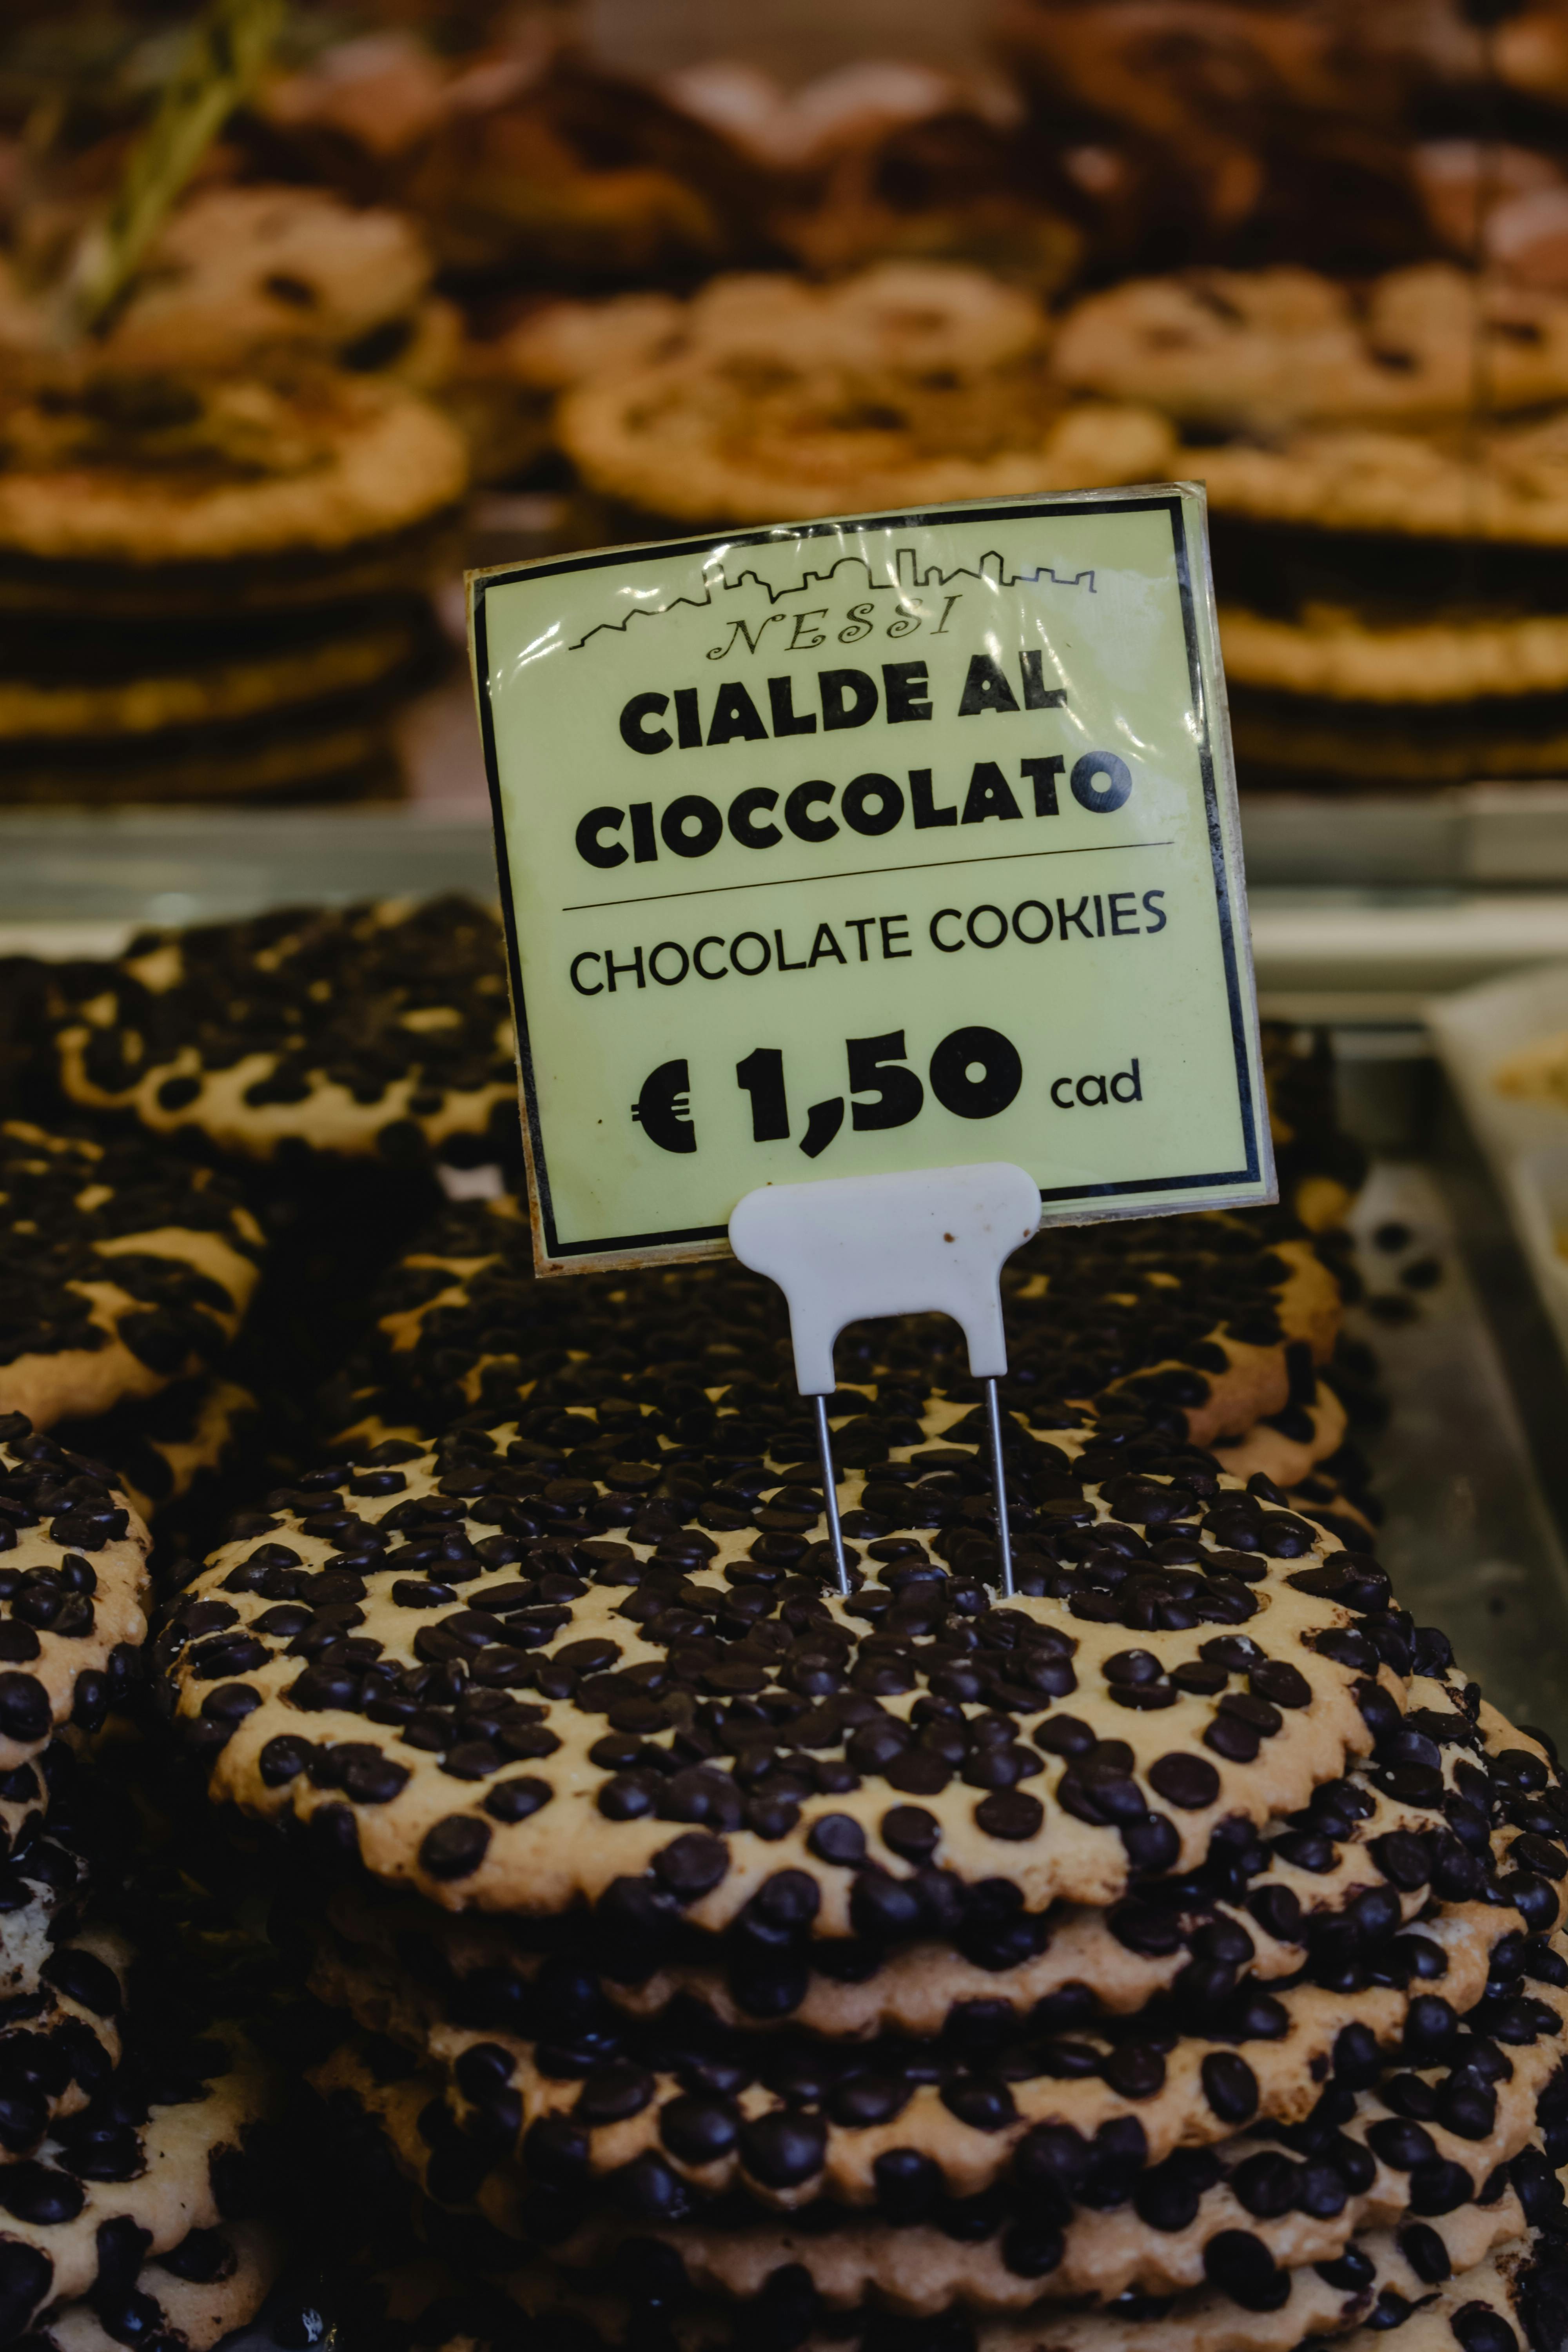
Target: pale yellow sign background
{"points": [[951, 794]]}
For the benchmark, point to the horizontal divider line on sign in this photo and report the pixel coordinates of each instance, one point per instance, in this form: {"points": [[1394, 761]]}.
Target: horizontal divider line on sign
{"points": [[858, 874]]}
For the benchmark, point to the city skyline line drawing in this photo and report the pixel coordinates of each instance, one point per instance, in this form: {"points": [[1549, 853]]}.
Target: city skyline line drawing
{"points": [[904, 578]]}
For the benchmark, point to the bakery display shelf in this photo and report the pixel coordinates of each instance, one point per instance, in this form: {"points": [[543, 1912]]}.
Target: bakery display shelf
{"points": [[155, 866], [1456, 835]]}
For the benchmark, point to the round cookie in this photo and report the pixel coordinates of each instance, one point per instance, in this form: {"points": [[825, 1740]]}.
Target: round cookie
{"points": [[176, 695], [1258, 350], [715, 2110], [120, 1272], [1248, 1301], [1286, 742], [161, 1449], [905, 384], [238, 272], [896, 319], [1066, 1967], [1376, 2274], [185, 2300], [320, 753], [1212, 1321], [103, 2182], [1407, 629], [251, 1663], [966, 2111], [73, 1590], [249, 590], [144, 475], [690, 443], [1515, 2297], [1340, 657], [61, 2042], [1083, 2220], [1509, 483], [375, 1030], [1314, 1431]]}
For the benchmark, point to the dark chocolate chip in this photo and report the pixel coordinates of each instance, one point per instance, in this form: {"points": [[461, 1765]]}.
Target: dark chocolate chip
{"points": [[1230, 2086], [454, 1847], [692, 1864], [983, 2105], [910, 1832], [1241, 2266], [24, 1708], [1010, 1813], [782, 2149], [1479, 2328], [698, 2130], [1190, 1781], [1135, 2070], [517, 1799], [837, 1837]]}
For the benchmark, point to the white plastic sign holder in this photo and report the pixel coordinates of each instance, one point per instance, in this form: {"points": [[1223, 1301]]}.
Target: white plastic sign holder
{"points": [[924, 1241]]}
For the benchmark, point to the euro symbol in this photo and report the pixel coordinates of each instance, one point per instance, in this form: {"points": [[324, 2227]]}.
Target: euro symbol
{"points": [[663, 1109]]}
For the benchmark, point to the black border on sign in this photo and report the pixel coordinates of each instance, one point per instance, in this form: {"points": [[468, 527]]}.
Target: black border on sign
{"points": [[998, 509]]}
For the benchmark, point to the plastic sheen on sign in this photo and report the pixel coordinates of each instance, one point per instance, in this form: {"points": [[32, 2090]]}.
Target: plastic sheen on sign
{"points": [[886, 842]]}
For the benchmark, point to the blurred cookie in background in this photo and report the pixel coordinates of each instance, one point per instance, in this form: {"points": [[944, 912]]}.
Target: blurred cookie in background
{"points": [[780, 398], [243, 709], [263, 544], [238, 272], [1260, 351], [890, 157], [1503, 203], [1392, 607], [1387, 567], [527, 161], [1260, 134]]}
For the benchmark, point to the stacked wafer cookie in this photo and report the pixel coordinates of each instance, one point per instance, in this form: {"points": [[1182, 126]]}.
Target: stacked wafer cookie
{"points": [[124, 1279], [1227, 1325], [376, 1031], [1165, 1955], [286, 1080], [130, 2096], [220, 517]]}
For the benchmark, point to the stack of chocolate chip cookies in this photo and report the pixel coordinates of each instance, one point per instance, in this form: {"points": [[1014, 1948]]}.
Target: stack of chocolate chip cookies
{"points": [[133, 2102], [1164, 1954], [124, 1280], [1387, 473], [221, 518], [378, 1031], [213, 591], [286, 1089]]}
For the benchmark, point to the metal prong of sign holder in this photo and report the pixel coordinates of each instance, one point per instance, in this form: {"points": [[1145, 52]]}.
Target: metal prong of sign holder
{"points": [[830, 1493], [999, 1486], [926, 1241]]}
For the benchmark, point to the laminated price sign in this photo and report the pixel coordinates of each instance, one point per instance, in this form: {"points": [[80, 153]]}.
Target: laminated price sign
{"points": [[853, 847]]}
